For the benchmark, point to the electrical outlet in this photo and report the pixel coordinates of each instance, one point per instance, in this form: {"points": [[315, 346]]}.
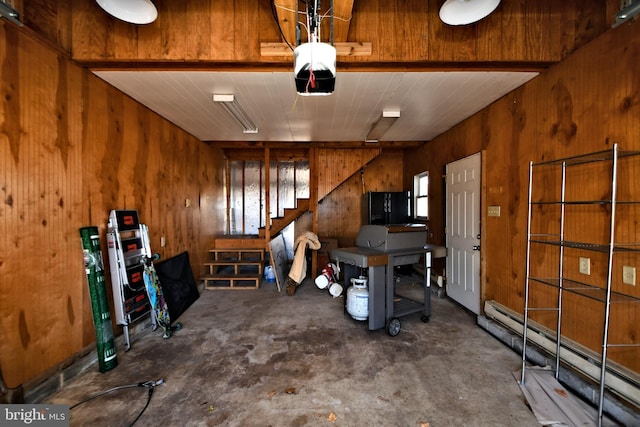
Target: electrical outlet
{"points": [[163, 241], [187, 203], [493, 211], [585, 265], [628, 275]]}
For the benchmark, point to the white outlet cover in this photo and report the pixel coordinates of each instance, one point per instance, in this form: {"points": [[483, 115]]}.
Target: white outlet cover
{"points": [[629, 275], [585, 265]]}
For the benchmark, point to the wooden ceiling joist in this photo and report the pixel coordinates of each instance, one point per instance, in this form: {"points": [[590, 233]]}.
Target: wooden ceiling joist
{"points": [[289, 14], [284, 145]]}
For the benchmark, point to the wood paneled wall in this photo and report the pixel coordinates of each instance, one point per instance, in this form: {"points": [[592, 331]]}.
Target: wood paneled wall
{"points": [[399, 30], [337, 165], [586, 103], [340, 213], [72, 146], [72, 149]]}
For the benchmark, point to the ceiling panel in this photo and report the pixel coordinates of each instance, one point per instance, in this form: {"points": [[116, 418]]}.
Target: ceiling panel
{"points": [[429, 102]]}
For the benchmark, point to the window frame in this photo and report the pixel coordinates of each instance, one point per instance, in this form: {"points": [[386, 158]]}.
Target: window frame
{"points": [[418, 194]]}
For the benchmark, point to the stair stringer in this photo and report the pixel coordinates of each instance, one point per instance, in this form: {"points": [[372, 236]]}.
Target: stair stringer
{"points": [[334, 168]]}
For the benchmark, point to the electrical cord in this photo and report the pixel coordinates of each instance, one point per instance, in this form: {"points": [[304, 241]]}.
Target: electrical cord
{"points": [[275, 18], [150, 393], [150, 385]]}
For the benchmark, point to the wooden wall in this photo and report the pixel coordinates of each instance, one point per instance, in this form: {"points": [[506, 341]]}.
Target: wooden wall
{"points": [[72, 149], [70, 143], [340, 213], [399, 31], [586, 103]]}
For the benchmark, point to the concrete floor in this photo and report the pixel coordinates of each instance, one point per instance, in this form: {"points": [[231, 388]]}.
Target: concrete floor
{"points": [[260, 358]]}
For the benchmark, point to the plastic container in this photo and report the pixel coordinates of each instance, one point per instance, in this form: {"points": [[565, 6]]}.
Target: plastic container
{"points": [[269, 275], [335, 290], [358, 299]]}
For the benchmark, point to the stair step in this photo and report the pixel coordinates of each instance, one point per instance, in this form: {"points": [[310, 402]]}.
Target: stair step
{"points": [[245, 254], [290, 214], [231, 281], [239, 242], [256, 265], [235, 262]]}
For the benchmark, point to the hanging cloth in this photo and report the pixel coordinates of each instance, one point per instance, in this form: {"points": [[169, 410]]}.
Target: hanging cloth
{"points": [[299, 266]]}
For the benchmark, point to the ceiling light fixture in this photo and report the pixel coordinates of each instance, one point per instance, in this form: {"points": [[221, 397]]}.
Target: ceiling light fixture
{"points": [[382, 125], [463, 12], [11, 14], [132, 11], [630, 9], [230, 103]]}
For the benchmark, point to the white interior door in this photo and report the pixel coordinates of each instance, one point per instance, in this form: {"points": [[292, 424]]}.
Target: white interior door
{"points": [[463, 231]]}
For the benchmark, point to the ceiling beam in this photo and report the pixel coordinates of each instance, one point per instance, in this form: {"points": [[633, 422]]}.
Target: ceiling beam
{"points": [[279, 65], [284, 154], [343, 11], [288, 14], [260, 145], [342, 49]]}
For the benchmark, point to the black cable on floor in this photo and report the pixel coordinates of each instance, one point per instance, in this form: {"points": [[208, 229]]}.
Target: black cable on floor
{"points": [[145, 406], [150, 385]]}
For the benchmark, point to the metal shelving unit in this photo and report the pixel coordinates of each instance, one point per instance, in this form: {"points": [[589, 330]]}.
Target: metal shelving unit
{"points": [[561, 283]]}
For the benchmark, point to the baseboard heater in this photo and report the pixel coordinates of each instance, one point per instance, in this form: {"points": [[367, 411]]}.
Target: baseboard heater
{"points": [[619, 380]]}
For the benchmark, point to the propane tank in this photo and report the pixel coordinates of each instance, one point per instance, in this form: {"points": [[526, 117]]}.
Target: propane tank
{"points": [[358, 298]]}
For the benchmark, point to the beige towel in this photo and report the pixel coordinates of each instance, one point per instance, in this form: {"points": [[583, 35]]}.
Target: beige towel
{"points": [[299, 265]]}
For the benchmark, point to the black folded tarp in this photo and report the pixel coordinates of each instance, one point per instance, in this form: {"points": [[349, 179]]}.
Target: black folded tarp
{"points": [[178, 284]]}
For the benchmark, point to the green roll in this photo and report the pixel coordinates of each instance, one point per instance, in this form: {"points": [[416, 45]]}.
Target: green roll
{"points": [[94, 268]]}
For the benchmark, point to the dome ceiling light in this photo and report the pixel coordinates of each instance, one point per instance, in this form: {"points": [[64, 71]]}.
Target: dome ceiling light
{"points": [[463, 12], [132, 11]]}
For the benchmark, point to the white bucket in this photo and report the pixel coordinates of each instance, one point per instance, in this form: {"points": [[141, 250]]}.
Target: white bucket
{"points": [[335, 290], [322, 281], [358, 299]]}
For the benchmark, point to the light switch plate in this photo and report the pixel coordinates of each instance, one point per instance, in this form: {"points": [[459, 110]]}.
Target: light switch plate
{"points": [[494, 211], [629, 275], [585, 265]]}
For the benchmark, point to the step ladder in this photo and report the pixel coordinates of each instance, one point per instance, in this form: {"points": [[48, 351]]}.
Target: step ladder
{"points": [[128, 244]]}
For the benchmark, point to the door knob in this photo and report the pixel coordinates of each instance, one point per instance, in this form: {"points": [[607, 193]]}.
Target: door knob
{"points": [[476, 248]]}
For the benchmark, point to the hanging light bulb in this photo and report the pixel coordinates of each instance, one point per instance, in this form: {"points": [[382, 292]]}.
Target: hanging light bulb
{"points": [[463, 12], [132, 11]]}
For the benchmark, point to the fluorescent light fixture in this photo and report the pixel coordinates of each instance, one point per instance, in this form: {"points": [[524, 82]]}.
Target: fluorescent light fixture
{"points": [[230, 103], [630, 10], [132, 11], [382, 125], [11, 14], [463, 12]]}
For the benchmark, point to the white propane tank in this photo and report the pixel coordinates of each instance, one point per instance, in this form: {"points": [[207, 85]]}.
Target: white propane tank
{"points": [[358, 299]]}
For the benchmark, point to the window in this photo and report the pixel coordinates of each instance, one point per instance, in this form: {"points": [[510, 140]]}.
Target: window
{"points": [[421, 192]]}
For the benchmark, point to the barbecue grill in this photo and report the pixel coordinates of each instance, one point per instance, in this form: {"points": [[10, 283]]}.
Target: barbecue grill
{"points": [[380, 248]]}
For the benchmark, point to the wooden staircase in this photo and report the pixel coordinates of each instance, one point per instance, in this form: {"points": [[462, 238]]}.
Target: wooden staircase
{"points": [[233, 255], [290, 215]]}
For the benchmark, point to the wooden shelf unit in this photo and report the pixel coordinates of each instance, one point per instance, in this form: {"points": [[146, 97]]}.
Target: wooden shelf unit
{"points": [[246, 265]]}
